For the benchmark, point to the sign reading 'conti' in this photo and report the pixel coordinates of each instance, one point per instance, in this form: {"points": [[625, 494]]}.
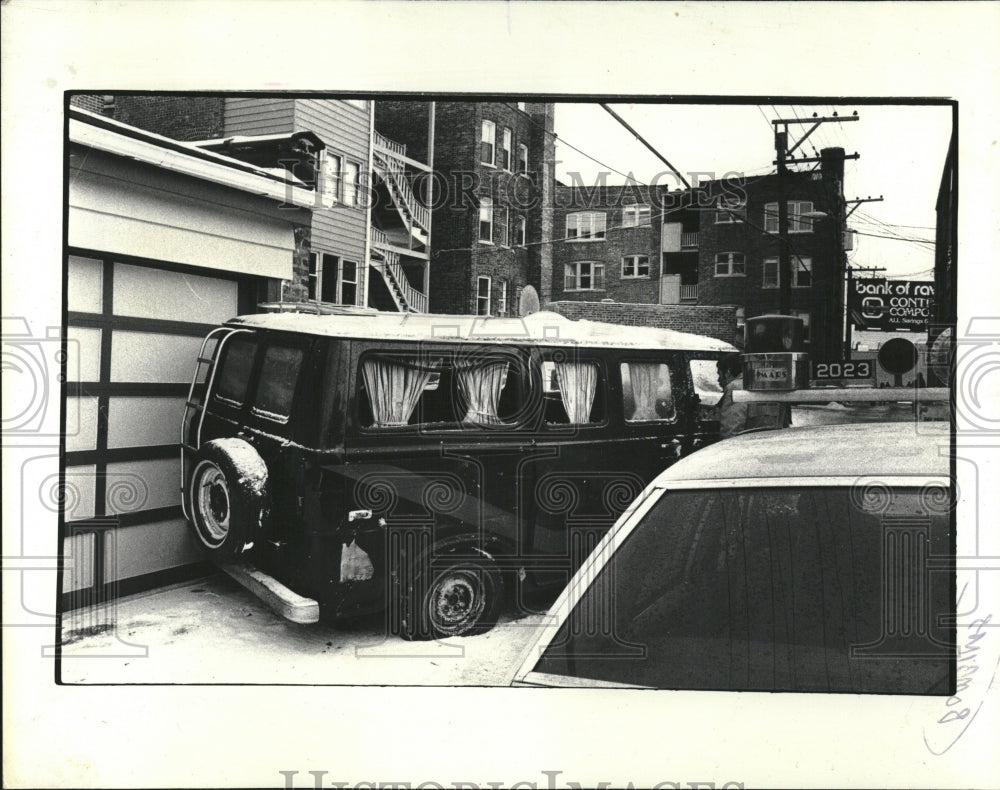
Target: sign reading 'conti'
{"points": [[891, 305]]}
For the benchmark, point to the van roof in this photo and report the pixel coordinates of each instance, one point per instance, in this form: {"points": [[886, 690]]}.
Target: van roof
{"points": [[543, 328], [868, 450]]}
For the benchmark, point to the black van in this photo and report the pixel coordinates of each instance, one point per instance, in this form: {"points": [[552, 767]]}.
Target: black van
{"points": [[430, 463]]}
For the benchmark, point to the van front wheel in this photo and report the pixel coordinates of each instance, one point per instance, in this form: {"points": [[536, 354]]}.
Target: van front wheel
{"points": [[450, 596], [227, 496]]}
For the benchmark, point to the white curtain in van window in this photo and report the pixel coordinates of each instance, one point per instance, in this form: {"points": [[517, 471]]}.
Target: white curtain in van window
{"points": [[643, 376], [480, 386], [393, 389], [577, 385]]}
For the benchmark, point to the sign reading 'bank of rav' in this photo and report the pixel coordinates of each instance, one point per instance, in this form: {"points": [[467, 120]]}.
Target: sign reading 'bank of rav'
{"points": [[891, 305]]}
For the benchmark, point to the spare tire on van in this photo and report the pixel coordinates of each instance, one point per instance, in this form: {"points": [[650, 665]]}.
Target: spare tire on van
{"points": [[228, 496]]}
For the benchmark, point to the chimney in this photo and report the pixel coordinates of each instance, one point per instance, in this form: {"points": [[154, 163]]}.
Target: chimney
{"points": [[832, 163]]}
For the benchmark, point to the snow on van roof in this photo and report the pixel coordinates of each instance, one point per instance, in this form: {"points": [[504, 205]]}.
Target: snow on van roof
{"points": [[544, 328]]}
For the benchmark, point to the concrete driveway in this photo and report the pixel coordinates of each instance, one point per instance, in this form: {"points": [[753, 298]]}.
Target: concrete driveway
{"points": [[213, 631]]}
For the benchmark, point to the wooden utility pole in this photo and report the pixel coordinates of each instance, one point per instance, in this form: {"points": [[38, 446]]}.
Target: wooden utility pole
{"points": [[784, 154]]}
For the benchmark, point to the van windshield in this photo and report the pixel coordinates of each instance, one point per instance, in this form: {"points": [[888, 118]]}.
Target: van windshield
{"points": [[773, 589]]}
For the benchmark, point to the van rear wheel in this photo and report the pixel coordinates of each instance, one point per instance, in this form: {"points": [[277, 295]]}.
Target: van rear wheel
{"points": [[450, 596], [227, 496]]}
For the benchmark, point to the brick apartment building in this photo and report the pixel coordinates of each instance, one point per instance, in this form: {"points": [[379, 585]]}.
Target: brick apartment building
{"points": [[716, 244], [491, 199]]}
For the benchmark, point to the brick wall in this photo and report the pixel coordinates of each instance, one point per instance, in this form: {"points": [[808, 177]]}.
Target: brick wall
{"points": [[716, 321], [92, 102], [180, 117], [459, 258], [822, 245]]}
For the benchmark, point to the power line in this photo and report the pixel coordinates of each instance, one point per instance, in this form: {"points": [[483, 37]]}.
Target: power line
{"points": [[642, 140]]}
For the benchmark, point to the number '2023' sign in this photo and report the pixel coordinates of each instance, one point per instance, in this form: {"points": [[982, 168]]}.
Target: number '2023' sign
{"points": [[860, 369]]}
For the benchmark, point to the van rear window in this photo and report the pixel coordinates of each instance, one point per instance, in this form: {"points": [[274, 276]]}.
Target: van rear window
{"points": [[234, 373], [772, 589], [278, 377]]}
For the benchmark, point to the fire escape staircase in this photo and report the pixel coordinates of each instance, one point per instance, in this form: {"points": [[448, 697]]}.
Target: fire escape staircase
{"points": [[407, 298], [390, 168]]}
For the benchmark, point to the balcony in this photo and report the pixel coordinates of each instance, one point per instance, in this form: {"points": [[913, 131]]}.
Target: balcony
{"points": [[689, 293], [689, 241]]}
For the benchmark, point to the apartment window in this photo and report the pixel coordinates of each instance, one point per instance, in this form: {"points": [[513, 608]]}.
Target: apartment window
{"points": [[771, 275], [797, 223], [332, 170], [483, 296], [730, 211], [348, 282], [328, 278], [488, 146], [486, 220], [635, 266], [506, 149], [522, 232], [584, 276], [635, 216], [502, 298], [502, 232], [728, 264], [522, 158], [741, 317], [352, 171], [586, 225], [804, 315], [802, 272]]}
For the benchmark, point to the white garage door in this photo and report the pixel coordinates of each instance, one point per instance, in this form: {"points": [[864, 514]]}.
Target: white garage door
{"points": [[133, 330]]}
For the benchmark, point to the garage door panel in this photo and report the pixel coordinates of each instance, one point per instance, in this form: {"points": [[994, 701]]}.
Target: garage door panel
{"points": [[84, 287], [83, 353], [148, 548], [144, 421], [152, 357], [173, 296], [143, 485], [79, 492], [78, 559], [81, 423]]}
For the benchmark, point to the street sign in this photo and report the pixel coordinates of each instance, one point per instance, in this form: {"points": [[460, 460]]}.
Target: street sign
{"points": [[844, 370]]}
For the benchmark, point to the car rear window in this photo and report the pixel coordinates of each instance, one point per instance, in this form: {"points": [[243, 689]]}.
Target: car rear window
{"points": [[774, 589]]}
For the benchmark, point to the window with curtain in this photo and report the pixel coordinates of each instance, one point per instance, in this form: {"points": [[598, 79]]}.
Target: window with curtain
{"points": [[394, 385], [646, 391], [480, 385], [577, 382]]}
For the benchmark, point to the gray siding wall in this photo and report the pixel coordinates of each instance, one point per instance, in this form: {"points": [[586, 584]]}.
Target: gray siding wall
{"points": [[259, 116], [345, 130]]}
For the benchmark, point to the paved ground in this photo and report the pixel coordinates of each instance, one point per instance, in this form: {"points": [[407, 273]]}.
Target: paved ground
{"points": [[214, 631]]}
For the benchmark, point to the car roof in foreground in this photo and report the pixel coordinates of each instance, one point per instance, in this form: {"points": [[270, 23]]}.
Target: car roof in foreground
{"points": [[543, 328], [860, 450]]}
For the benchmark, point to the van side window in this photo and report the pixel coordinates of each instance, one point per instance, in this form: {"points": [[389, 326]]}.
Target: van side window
{"points": [[234, 373], [278, 377], [646, 392], [469, 390], [392, 388], [705, 378], [573, 391]]}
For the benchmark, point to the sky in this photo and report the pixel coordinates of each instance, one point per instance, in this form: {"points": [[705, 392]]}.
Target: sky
{"points": [[902, 152]]}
